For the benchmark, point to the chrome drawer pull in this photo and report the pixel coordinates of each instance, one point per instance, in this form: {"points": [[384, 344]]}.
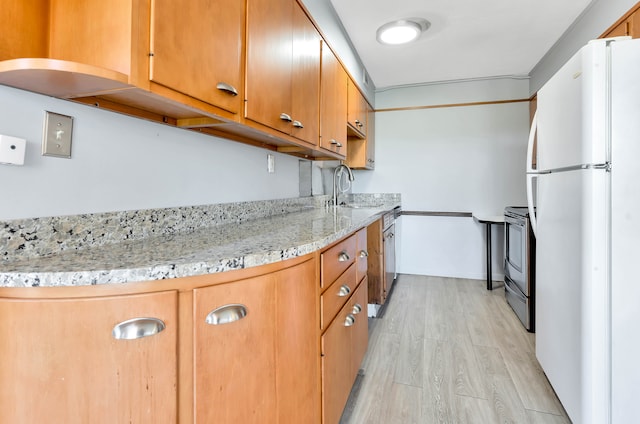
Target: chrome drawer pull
{"points": [[137, 328], [298, 124], [226, 314], [343, 256], [349, 320], [344, 290], [228, 88], [357, 308], [364, 254], [333, 141], [285, 117]]}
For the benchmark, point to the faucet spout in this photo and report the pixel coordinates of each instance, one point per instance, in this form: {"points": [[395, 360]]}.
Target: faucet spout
{"points": [[337, 181]]}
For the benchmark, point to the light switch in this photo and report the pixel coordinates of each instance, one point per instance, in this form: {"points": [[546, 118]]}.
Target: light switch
{"points": [[57, 135], [12, 150]]}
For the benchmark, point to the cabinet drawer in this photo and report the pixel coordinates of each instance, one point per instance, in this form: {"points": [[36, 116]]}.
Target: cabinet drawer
{"points": [[343, 346], [361, 254], [336, 260], [336, 295]]}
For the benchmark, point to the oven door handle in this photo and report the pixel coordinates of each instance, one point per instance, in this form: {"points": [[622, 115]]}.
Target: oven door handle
{"points": [[531, 174]]}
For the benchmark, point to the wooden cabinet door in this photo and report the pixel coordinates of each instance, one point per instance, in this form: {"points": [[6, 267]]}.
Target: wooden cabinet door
{"points": [[306, 79], [97, 33], [234, 350], [297, 335], [361, 151], [197, 49], [333, 103], [269, 57], [337, 366], [376, 269], [71, 369], [25, 29], [360, 328], [356, 110], [634, 24], [370, 155]]}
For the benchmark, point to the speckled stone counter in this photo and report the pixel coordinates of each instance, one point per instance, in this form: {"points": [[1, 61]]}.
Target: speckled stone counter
{"points": [[178, 242]]}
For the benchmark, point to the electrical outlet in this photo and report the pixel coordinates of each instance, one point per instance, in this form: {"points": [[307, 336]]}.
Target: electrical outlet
{"points": [[56, 139]]}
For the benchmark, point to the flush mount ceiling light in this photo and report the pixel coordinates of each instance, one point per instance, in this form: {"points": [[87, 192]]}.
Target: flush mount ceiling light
{"points": [[402, 31]]}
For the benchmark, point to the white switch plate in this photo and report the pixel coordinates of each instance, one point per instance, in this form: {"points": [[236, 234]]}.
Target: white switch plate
{"points": [[56, 139], [12, 150]]}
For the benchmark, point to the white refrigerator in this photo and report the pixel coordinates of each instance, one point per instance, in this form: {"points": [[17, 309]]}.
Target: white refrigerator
{"points": [[587, 226]]}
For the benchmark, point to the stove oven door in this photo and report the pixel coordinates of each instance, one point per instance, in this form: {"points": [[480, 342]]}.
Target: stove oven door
{"points": [[516, 239]]}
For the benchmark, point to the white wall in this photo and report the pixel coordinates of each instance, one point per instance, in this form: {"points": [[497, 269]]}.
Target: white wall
{"points": [[600, 15], [457, 159], [123, 163], [326, 17]]}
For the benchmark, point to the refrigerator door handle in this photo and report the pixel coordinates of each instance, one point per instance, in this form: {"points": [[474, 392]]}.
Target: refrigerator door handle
{"points": [[532, 137], [533, 220], [531, 173]]}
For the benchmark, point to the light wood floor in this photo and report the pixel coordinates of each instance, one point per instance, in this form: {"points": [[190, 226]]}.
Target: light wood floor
{"points": [[449, 351]]}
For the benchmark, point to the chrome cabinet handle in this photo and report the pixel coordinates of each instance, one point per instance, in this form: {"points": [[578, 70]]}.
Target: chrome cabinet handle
{"points": [[364, 254], [349, 320], [344, 290], [338, 144], [137, 328], [357, 308], [358, 123], [285, 117], [298, 124], [226, 314], [334, 141], [343, 256], [228, 88]]}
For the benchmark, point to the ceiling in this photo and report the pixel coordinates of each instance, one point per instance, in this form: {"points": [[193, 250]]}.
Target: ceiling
{"points": [[467, 38]]}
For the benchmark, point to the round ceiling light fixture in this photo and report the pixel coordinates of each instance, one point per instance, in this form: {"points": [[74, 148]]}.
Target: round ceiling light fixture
{"points": [[402, 31]]}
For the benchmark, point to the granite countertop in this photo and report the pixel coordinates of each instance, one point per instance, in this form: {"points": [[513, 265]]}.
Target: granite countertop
{"points": [[202, 251]]}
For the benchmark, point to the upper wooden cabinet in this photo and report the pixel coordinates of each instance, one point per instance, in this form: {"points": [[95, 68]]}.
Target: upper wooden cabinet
{"points": [[628, 24], [305, 79], [246, 70], [181, 59], [361, 151], [89, 360], [283, 69], [356, 111], [269, 59], [333, 104]]}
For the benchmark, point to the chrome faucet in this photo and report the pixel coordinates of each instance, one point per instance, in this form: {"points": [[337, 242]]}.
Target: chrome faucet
{"points": [[337, 173]]}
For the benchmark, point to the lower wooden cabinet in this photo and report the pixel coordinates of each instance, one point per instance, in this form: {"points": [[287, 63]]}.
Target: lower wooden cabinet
{"points": [[89, 360], [344, 344], [234, 352], [255, 349], [245, 346], [343, 320], [376, 272]]}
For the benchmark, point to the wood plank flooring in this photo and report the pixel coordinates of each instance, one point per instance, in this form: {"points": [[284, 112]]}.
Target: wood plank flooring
{"points": [[449, 351]]}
